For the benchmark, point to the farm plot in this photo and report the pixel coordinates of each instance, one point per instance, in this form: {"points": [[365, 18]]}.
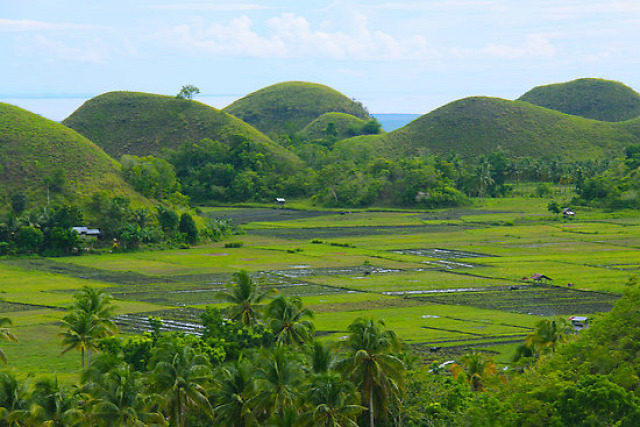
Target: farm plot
{"points": [[539, 300], [439, 279]]}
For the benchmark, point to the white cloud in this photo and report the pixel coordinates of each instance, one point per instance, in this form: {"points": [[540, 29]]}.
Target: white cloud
{"points": [[212, 7], [534, 46], [291, 36], [235, 39], [26, 25], [93, 51]]}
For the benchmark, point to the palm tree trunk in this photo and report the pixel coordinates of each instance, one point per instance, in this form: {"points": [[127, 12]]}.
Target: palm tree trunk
{"points": [[371, 424], [82, 352], [179, 411]]}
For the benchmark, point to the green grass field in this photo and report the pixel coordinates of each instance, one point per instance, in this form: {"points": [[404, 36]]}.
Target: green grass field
{"points": [[451, 279]]}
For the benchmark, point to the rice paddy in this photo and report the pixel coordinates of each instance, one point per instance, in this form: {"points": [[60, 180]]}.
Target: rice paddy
{"points": [[445, 279]]}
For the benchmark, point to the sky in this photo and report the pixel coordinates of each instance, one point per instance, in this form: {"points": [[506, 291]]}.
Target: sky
{"points": [[394, 56]]}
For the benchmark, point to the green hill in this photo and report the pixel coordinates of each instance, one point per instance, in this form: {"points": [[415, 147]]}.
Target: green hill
{"points": [[481, 125], [345, 126], [591, 98], [144, 124], [289, 107], [34, 149]]}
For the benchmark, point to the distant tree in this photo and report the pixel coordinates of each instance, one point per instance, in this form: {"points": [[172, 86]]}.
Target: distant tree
{"points": [[62, 241], [288, 320], [29, 239], [167, 219], [372, 127], [153, 177], [554, 207], [245, 298], [188, 226], [88, 320], [548, 334], [476, 368], [18, 203], [187, 92]]}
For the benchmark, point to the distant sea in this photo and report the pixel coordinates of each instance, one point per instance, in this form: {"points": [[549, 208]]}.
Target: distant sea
{"points": [[391, 122]]}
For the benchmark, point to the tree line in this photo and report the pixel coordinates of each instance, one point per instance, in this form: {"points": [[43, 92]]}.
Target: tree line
{"points": [[47, 230], [213, 172]]}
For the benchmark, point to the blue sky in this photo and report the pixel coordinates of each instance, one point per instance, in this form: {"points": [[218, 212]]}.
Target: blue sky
{"points": [[394, 56]]}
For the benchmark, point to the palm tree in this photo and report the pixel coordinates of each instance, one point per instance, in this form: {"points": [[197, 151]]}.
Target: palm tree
{"points": [[6, 335], [548, 334], [322, 358], [278, 376], [82, 333], [181, 376], [245, 299], [476, 367], [98, 304], [333, 402], [286, 320], [371, 363], [14, 404], [88, 321], [120, 398], [483, 177], [232, 399], [54, 405]]}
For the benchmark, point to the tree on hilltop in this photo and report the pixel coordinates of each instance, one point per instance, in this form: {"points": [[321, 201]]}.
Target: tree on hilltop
{"points": [[187, 92]]}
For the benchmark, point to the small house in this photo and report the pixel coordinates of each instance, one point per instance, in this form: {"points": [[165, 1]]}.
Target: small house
{"points": [[568, 213], [537, 277], [280, 201], [87, 232], [579, 322]]}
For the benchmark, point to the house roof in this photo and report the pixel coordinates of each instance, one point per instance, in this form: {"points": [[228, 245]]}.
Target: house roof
{"points": [[579, 318], [538, 276], [86, 231]]}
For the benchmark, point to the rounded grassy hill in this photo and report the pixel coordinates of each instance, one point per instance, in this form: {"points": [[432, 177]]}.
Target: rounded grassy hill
{"points": [[144, 124], [481, 125], [288, 107], [33, 150], [591, 98], [344, 126]]}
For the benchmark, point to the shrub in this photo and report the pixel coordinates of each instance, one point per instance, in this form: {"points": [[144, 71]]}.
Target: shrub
{"points": [[233, 245]]}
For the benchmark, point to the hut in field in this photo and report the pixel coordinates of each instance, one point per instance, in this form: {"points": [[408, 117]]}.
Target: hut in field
{"points": [[568, 213], [540, 278]]}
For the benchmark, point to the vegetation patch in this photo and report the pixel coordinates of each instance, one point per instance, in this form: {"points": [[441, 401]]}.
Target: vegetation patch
{"points": [[536, 300]]}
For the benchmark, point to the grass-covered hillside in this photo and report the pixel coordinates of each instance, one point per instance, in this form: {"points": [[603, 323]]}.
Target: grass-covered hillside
{"points": [[591, 98], [144, 124], [289, 107], [36, 153], [480, 125], [344, 126]]}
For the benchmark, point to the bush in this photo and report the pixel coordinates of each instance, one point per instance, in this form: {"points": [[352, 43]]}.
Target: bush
{"points": [[233, 245]]}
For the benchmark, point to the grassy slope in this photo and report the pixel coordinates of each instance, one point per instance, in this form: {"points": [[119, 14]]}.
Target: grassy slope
{"points": [[145, 124], [290, 106], [597, 99], [31, 147], [344, 123], [480, 125]]}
